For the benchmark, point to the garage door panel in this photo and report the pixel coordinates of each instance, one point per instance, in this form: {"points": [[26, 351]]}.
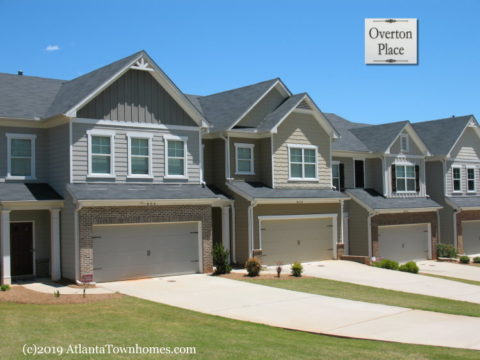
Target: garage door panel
{"points": [[471, 237], [143, 250], [404, 242], [292, 240]]}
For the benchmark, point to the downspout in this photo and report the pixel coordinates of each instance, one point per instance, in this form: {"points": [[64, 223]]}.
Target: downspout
{"points": [[227, 156], [202, 159], [232, 239], [341, 229], [369, 232], [251, 228]]}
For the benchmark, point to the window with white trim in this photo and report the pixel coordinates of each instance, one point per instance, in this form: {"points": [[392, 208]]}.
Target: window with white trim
{"points": [[244, 159], [140, 155], [302, 162], [21, 156], [404, 143], [471, 180], [336, 175], [175, 157], [405, 177], [457, 179], [101, 158]]}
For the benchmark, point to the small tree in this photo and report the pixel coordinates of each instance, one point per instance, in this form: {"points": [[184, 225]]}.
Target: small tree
{"points": [[221, 259]]}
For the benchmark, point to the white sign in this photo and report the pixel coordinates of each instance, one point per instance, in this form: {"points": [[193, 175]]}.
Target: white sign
{"points": [[391, 41]]}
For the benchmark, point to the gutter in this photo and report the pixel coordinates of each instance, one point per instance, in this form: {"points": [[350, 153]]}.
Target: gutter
{"points": [[251, 228]]}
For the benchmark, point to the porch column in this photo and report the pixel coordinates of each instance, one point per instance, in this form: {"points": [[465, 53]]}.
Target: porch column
{"points": [[226, 227], [55, 244], [5, 245]]}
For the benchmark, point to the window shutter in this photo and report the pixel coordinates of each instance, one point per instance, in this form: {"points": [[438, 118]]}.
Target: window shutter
{"points": [[342, 176], [417, 178], [394, 179]]}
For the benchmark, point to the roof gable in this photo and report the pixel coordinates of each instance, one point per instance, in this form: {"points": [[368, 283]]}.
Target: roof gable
{"points": [[378, 138]]}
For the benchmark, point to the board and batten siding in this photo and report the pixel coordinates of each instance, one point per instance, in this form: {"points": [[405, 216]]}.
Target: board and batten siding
{"points": [[264, 107], [358, 229], [136, 97], [301, 129], [80, 154], [41, 151], [391, 160], [59, 157]]}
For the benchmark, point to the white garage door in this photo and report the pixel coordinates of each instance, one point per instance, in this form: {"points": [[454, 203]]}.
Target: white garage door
{"points": [[471, 237], [288, 240], [144, 250], [404, 242]]}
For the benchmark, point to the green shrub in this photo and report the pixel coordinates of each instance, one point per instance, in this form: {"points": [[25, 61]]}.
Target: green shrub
{"points": [[253, 266], [446, 251], [221, 259], [410, 267], [476, 259], [56, 293], [464, 259], [297, 269], [386, 264], [5, 287]]}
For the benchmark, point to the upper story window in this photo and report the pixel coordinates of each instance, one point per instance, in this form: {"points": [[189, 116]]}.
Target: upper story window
{"points": [[21, 156], [404, 143], [140, 155], [405, 177], [457, 179], [336, 175], [175, 157], [471, 179], [302, 162], [244, 159], [101, 154]]}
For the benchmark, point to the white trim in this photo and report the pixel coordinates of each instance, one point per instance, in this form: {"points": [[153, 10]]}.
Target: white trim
{"points": [[333, 217], [460, 136], [201, 149], [33, 144], [272, 164], [302, 147], [406, 178], [70, 150], [386, 183], [474, 168], [34, 248], [134, 124], [251, 147], [5, 247], [429, 232], [101, 133], [407, 143], [149, 138], [168, 138], [413, 134], [460, 179]]}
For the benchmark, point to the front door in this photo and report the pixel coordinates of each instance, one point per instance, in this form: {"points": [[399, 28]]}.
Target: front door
{"points": [[21, 248]]}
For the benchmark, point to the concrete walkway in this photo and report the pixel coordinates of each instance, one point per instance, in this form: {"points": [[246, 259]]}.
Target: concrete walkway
{"points": [[460, 271], [352, 272], [306, 312], [48, 286]]}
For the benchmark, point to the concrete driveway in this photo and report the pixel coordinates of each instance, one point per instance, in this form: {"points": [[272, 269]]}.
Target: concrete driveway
{"points": [[352, 272], [306, 312], [460, 271]]}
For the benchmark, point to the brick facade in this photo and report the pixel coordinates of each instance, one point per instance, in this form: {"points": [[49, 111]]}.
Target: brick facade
{"points": [[464, 216], [405, 219], [141, 214]]}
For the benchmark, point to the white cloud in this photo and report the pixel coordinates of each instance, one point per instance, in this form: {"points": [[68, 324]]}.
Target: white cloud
{"points": [[52, 48]]}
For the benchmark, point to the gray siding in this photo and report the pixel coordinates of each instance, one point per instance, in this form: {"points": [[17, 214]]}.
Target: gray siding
{"points": [[41, 151], [137, 97], [67, 216], [412, 150], [463, 172], [265, 106], [301, 129], [357, 229], [80, 153], [214, 160], [348, 170], [468, 147], [59, 157], [41, 234], [265, 159], [262, 160], [374, 175], [389, 161]]}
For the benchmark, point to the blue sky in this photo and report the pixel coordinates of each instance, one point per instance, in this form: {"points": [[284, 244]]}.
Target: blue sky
{"points": [[210, 46]]}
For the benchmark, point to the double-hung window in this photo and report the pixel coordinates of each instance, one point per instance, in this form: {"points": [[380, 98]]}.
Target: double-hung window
{"points": [[336, 175], [405, 177], [175, 157], [471, 179], [302, 162], [140, 155], [457, 178], [244, 159], [101, 153], [21, 156]]}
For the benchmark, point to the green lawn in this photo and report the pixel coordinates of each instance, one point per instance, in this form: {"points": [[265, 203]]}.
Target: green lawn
{"points": [[371, 294], [127, 321], [471, 282]]}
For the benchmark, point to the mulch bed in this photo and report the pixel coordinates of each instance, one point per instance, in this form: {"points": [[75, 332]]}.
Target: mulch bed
{"points": [[240, 276], [21, 295]]}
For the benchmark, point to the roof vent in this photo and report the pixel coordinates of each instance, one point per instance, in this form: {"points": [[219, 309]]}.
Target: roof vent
{"points": [[20, 72]]}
